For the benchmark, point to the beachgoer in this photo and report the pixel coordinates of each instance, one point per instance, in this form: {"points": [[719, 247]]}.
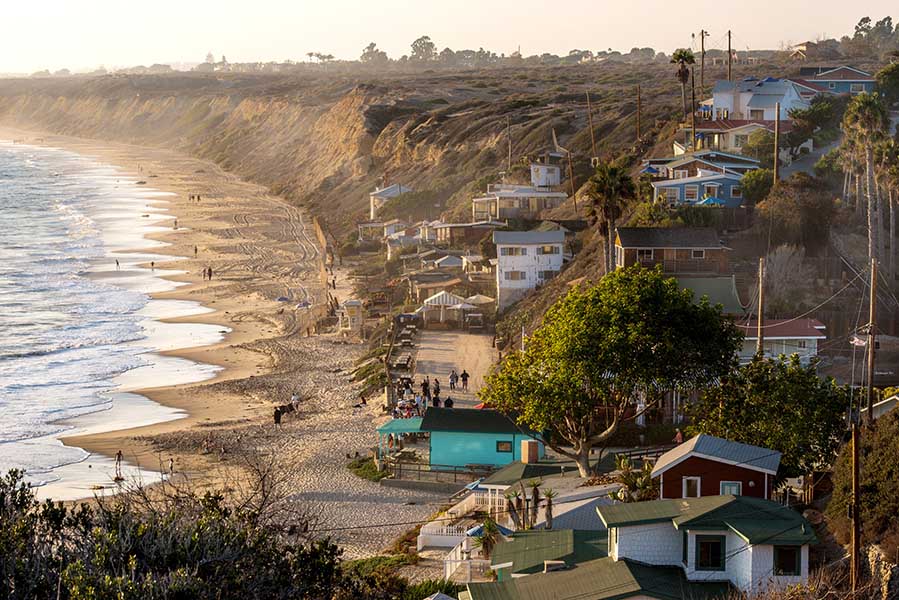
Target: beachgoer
{"points": [[424, 388], [435, 402], [117, 264], [436, 387], [175, 225], [362, 400], [295, 401], [171, 466], [152, 265], [464, 377], [453, 378], [277, 417], [195, 251], [118, 465], [449, 402], [210, 273], [678, 436]]}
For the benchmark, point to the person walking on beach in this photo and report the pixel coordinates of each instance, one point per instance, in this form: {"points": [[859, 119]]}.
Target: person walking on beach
{"points": [[175, 225], [425, 388], [117, 264], [195, 251], [277, 417], [210, 273], [464, 377], [118, 466], [436, 387], [449, 402], [171, 466], [453, 378], [152, 265]]}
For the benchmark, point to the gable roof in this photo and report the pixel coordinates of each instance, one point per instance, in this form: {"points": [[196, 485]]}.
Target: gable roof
{"points": [[784, 329], [714, 448], [756, 520], [669, 237], [528, 237], [467, 420], [697, 179], [715, 156], [527, 550], [391, 191], [517, 471], [602, 579], [843, 73]]}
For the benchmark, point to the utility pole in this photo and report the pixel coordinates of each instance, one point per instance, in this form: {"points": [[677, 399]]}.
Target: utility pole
{"points": [[571, 181], [730, 55], [777, 143], [590, 122], [855, 535], [693, 108], [702, 35], [872, 340], [760, 330], [638, 112]]}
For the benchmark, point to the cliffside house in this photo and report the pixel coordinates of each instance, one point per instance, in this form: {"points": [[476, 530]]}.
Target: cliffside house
{"points": [[464, 234], [504, 201], [707, 188], [753, 544], [754, 99], [381, 195], [525, 260], [681, 250], [706, 465], [728, 135], [783, 337], [841, 79], [351, 316], [461, 437], [681, 166]]}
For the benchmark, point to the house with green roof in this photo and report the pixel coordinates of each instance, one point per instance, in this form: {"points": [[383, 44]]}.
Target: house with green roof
{"points": [[529, 552], [751, 543]]}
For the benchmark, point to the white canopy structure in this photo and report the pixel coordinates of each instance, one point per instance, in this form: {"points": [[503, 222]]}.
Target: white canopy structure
{"points": [[440, 301], [479, 299]]}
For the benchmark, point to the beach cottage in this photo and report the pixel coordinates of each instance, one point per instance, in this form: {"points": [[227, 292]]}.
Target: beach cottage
{"points": [[461, 437]]}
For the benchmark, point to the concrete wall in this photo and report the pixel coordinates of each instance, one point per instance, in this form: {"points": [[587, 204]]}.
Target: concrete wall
{"points": [[763, 577]]}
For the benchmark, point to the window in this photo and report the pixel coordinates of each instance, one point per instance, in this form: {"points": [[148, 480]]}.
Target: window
{"points": [[736, 191], [800, 343], [691, 487], [710, 552], [698, 254], [856, 88], [681, 173], [644, 255], [549, 250], [691, 193], [711, 190], [515, 276], [832, 85], [787, 560], [740, 140], [546, 274], [756, 114], [672, 194], [513, 251], [731, 488], [503, 446]]}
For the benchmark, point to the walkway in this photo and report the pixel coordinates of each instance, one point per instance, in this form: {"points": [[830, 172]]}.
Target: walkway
{"points": [[440, 352]]}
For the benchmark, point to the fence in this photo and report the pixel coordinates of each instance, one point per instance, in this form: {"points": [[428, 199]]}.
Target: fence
{"points": [[438, 535], [458, 566], [443, 473], [478, 501]]}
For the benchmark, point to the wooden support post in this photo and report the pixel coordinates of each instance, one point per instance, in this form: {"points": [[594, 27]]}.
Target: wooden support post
{"points": [[730, 56], [590, 122], [777, 143], [855, 534], [702, 35], [760, 330], [872, 340], [571, 181], [509, 136], [693, 109]]}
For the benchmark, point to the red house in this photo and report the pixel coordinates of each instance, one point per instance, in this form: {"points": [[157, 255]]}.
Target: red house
{"points": [[709, 466]]}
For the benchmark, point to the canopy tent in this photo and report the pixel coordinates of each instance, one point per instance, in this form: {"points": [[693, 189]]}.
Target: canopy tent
{"points": [[440, 301], [650, 170], [395, 427], [479, 299], [462, 306]]}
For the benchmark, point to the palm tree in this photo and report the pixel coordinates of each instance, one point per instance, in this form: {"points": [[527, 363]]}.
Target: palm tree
{"points": [[608, 189], [549, 494], [488, 538], [535, 499], [683, 57], [512, 508], [866, 122]]}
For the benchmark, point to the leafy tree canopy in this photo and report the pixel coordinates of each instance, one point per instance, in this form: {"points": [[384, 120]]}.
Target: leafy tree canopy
{"points": [[760, 146], [798, 211], [598, 347], [778, 404], [888, 83], [756, 185]]}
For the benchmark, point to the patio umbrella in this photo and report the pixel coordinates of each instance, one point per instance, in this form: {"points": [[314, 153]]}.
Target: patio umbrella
{"points": [[479, 299]]}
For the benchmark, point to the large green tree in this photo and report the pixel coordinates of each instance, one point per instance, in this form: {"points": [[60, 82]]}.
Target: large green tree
{"points": [[888, 83], [866, 123], [756, 184], [779, 404], [683, 57], [609, 189], [760, 146], [598, 348]]}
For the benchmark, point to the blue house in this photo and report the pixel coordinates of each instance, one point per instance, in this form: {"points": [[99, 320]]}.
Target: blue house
{"points": [[845, 80], [707, 188], [470, 436]]}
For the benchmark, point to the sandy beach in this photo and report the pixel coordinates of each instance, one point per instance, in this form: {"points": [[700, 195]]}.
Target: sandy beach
{"points": [[260, 249]]}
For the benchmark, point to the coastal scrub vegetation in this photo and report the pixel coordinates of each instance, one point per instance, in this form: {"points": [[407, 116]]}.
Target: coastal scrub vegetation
{"points": [[780, 404], [601, 349]]}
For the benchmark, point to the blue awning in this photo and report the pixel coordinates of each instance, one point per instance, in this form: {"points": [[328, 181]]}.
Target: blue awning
{"points": [[650, 170]]}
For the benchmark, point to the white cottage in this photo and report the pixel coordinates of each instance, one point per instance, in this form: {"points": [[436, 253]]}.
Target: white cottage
{"points": [[525, 260]]}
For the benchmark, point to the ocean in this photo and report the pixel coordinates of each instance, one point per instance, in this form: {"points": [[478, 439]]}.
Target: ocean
{"points": [[78, 333]]}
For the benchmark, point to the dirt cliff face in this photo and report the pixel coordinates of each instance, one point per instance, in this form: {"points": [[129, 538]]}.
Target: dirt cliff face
{"points": [[325, 142]]}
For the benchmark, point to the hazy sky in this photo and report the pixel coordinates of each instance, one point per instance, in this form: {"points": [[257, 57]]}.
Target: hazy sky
{"points": [[79, 34]]}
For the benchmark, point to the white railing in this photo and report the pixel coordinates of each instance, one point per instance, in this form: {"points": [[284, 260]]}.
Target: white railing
{"points": [[438, 534], [459, 566], [478, 501]]}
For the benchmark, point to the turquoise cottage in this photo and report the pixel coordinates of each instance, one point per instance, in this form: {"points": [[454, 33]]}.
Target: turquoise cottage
{"points": [[468, 436]]}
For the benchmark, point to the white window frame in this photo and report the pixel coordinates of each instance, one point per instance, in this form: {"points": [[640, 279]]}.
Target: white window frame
{"points": [[756, 111], [697, 254], [856, 88], [739, 484], [832, 85], [681, 173], [641, 254], [736, 191], [709, 187], [507, 275], [672, 194], [548, 249], [688, 189], [684, 481]]}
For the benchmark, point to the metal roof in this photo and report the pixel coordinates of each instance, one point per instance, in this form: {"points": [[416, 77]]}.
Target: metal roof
{"points": [[602, 579], [527, 550], [467, 420], [528, 237], [715, 448], [518, 471], [669, 237], [410, 425]]}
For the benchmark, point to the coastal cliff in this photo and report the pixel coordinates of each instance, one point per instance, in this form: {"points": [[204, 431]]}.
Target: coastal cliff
{"points": [[324, 142]]}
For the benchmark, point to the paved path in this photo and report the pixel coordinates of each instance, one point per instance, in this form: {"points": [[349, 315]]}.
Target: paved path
{"points": [[440, 352]]}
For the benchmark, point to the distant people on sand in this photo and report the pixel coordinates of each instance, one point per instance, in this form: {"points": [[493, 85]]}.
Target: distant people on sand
{"points": [[453, 378], [207, 274], [195, 251], [678, 436], [449, 402], [152, 265], [464, 377], [118, 466], [117, 265], [171, 466], [436, 387], [277, 417], [175, 225]]}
